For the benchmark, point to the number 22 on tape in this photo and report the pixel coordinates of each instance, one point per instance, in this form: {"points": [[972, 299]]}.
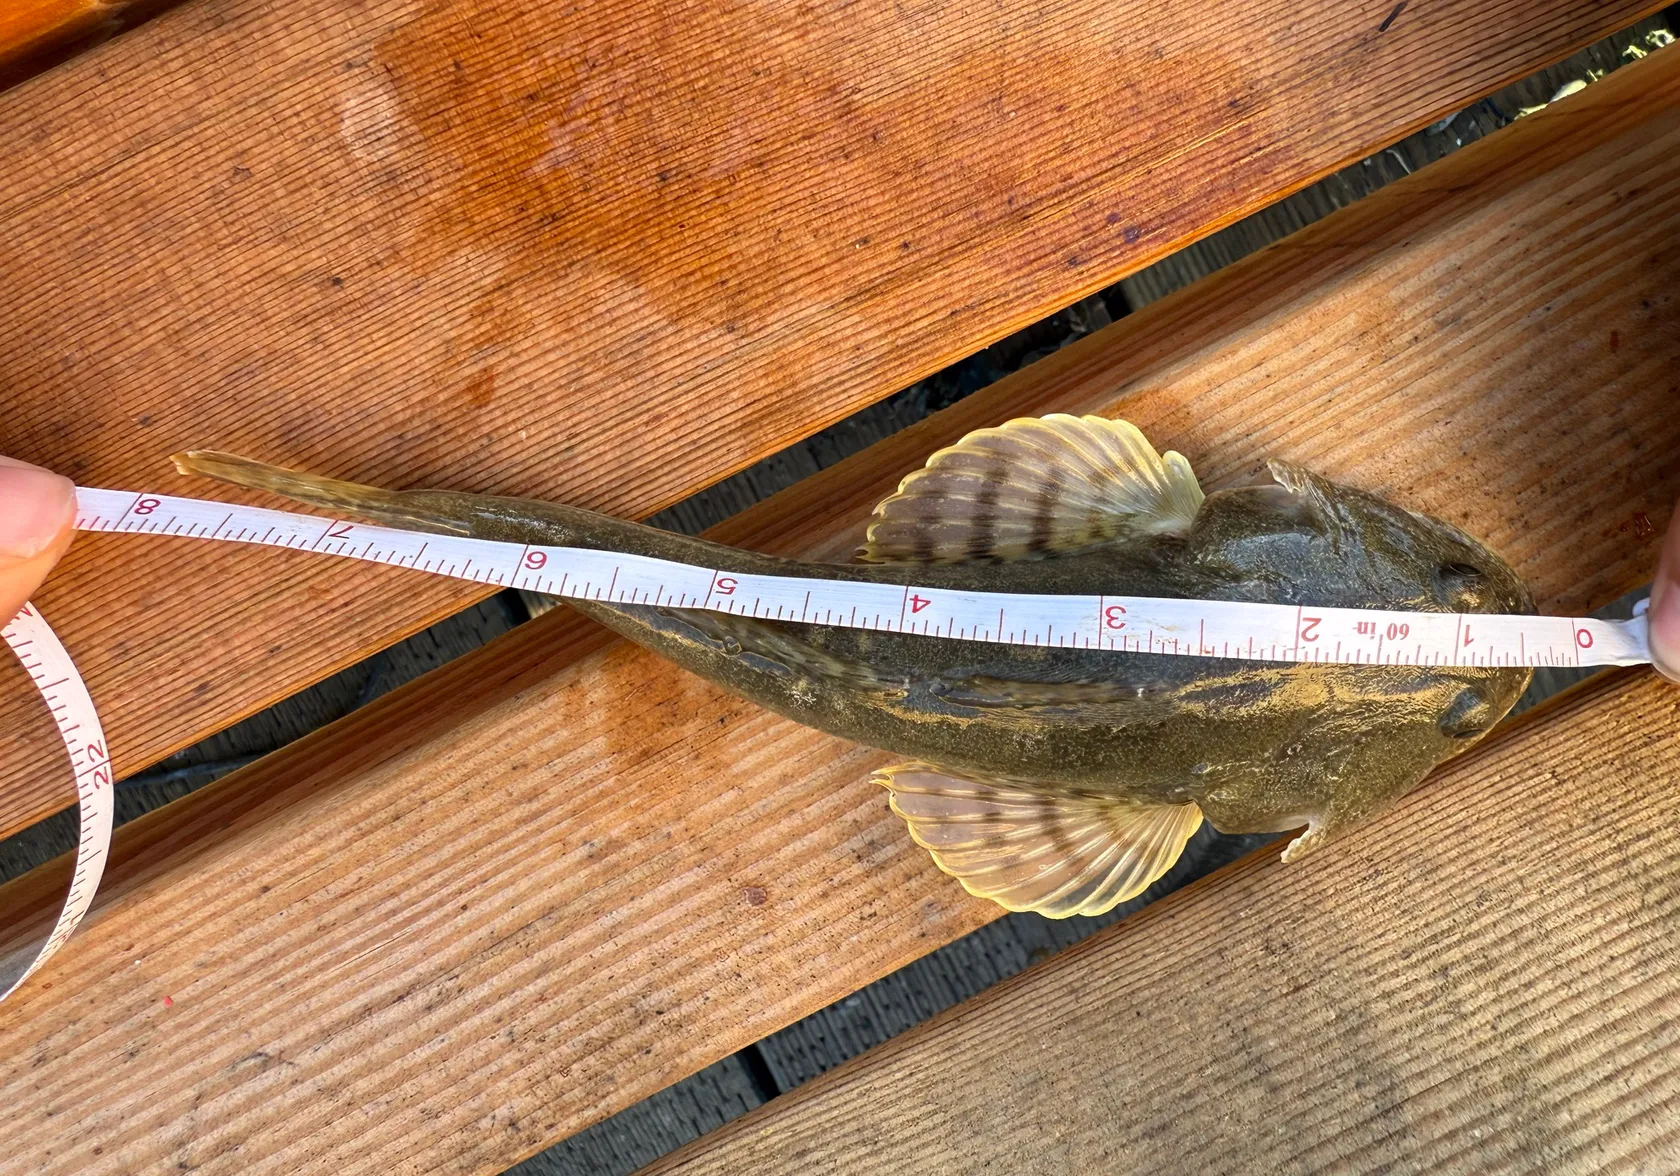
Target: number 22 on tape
{"points": [[49, 666]]}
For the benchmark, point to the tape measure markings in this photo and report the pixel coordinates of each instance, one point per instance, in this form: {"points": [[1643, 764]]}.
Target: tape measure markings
{"points": [[1227, 629], [49, 666]]}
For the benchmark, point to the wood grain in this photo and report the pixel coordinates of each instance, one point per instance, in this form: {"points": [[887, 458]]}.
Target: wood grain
{"points": [[1488, 981], [553, 876], [1417, 150], [606, 254]]}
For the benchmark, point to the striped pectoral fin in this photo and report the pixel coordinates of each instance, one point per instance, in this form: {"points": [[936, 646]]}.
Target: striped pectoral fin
{"points": [[1034, 488], [1056, 854]]}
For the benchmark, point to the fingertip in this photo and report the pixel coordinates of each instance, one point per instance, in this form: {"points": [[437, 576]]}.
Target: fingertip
{"points": [[1664, 619], [1663, 611], [37, 509]]}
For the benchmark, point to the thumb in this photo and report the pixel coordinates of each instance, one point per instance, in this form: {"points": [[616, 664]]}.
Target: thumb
{"points": [[37, 508], [1665, 606]]}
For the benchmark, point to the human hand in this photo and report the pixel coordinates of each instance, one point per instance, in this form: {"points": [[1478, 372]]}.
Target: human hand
{"points": [[1665, 606], [37, 508]]}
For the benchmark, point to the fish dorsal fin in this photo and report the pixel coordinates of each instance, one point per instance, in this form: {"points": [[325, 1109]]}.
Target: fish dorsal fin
{"points": [[1033, 487], [1055, 854]]}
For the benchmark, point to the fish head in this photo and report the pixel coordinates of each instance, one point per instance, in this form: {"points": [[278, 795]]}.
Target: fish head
{"points": [[1391, 553], [1307, 540]]}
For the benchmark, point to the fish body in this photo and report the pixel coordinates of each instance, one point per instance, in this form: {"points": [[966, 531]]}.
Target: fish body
{"points": [[1053, 779]]}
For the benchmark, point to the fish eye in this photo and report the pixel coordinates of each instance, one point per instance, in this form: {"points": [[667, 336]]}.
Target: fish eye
{"points": [[1467, 716], [1460, 586]]}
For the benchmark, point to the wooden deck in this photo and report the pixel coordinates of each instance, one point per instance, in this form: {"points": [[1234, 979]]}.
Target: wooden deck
{"points": [[386, 946], [604, 260]]}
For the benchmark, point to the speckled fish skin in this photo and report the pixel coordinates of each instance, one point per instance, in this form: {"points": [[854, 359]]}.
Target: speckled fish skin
{"points": [[1257, 747]]}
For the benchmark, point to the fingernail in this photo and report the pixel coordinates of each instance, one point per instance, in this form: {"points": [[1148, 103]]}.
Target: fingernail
{"points": [[35, 505]]}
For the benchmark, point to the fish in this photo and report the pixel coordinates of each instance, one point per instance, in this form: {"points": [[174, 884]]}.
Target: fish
{"points": [[1057, 780]]}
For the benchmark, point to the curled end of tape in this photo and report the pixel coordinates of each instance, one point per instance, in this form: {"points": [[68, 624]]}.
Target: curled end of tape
{"points": [[49, 666]]}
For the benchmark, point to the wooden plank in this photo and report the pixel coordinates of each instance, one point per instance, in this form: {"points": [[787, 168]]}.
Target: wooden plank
{"points": [[1402, 159], [1486, 981], [927, 986], [605, 255], [555, 875], [262, 733], [725, 499]]}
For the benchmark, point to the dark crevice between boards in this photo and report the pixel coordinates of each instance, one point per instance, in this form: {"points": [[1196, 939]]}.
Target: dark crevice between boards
{"points": [[757, 1068], [730, 1087]]}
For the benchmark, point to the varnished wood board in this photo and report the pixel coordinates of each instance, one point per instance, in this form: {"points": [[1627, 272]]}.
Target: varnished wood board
{"points": [[605, 254], [555, 875], [1487, 981]]}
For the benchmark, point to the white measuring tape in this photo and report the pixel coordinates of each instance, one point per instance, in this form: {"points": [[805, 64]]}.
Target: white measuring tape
{"points": [[1256, 632], [55, 676]]}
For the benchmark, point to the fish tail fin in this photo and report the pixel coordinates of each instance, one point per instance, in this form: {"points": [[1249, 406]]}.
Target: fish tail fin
{"points": [[424, 512], [483, 516]]}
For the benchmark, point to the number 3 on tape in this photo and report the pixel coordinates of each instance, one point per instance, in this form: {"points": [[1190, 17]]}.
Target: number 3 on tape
{"points": [[54, 674]]}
